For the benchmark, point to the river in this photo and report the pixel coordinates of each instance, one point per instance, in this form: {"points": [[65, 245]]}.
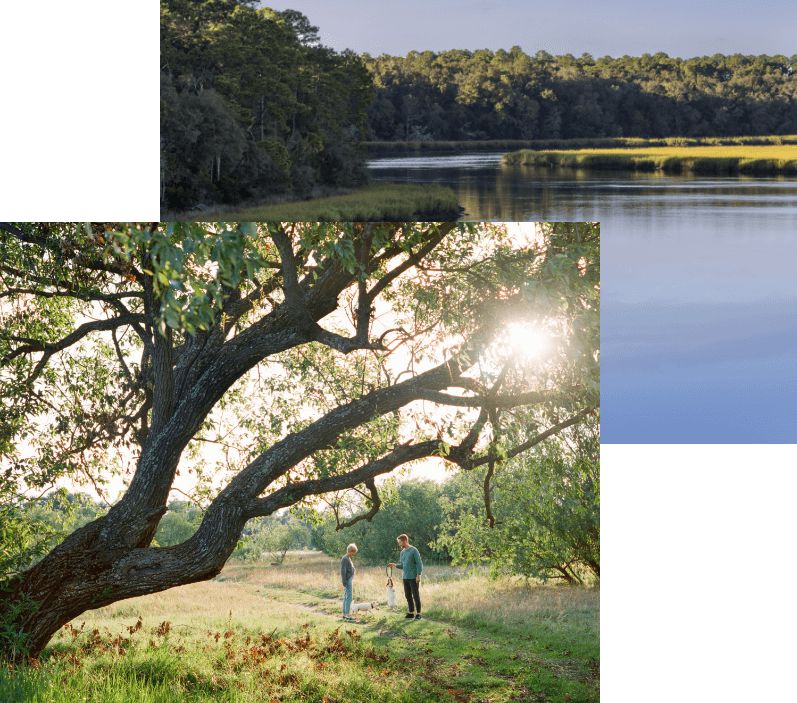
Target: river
{"points": [[699, 292]]}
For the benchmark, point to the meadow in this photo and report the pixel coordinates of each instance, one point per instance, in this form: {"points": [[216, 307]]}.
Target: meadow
{"points": [[275, 633], [373, 203], [704, 159]]}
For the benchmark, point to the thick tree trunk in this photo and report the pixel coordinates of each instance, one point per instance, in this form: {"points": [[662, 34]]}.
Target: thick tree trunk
{"points": [[108, 560]]}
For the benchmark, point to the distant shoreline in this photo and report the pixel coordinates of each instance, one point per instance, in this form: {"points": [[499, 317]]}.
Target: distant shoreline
{"points": [[739, 159], [376, 149]]}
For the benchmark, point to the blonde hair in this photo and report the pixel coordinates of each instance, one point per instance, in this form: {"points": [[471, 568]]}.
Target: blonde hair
{"points": [[352, 548]]}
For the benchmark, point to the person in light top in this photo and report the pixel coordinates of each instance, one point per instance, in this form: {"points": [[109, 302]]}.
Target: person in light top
{"points": [[347, 577]]}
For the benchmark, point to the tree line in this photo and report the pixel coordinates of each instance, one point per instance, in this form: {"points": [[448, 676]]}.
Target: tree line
{"points": [[544, 508], [464, 95], [537, 516]]}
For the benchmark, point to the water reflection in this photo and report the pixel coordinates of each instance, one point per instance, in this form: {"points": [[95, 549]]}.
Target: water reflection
{"points": [[699, 292], [430, 160], [699, 318], [490, 190]]}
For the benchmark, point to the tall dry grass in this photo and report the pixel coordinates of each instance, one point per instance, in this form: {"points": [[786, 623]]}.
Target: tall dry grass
{"points": [[285, 596], [780, 151], [449, 592], [205, 642], [260, 633]]}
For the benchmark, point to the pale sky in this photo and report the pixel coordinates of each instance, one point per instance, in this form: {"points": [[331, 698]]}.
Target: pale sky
{"points": [[430, 468], [609, 27]]}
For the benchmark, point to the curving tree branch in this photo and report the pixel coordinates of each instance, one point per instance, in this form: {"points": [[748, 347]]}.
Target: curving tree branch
{"points": [[50, 348], [469, 464], [376, 503]]}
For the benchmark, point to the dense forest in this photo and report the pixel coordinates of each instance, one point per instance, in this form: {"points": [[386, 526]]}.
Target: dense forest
{"points": [[252, 105], [464, 95]]}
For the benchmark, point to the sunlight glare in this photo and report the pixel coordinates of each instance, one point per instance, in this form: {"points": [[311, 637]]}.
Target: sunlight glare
{"points": [[528, 341]]}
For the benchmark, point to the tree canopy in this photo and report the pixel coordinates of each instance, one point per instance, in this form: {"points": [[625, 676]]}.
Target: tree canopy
{"points": [[539, 516], [251, 104], [463, 95], [134, 348]]}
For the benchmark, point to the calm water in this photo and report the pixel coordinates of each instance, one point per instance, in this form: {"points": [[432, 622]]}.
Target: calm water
{"points": [[699, 292]]}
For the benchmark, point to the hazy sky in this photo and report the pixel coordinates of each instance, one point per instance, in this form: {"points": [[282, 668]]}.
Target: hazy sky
{"points": [[609, 27]]}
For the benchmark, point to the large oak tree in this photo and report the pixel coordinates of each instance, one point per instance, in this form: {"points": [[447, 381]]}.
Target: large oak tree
{"points": [[320, 355]]}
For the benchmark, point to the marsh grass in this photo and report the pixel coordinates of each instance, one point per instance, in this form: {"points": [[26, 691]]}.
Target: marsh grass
{"points": [[382, 148], [773, 158], [262, 633], [378, 202]]}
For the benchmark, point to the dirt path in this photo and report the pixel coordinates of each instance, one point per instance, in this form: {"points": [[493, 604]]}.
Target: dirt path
{"points": [[337, 616]]}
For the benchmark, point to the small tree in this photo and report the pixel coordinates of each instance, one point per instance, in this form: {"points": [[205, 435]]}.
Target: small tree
{"points": [[545, 516], [272, 537], [413, 508], [283, 538]]}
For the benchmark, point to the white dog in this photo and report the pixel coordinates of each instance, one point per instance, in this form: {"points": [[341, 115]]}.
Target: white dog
{"points": [[363, 607]]}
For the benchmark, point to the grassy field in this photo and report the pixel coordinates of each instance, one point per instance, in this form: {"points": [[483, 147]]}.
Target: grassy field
{"points": [[745, 158], [374, 203], [268, 633]]}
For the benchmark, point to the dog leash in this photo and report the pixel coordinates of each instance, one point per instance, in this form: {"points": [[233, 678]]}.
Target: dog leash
{"points": [[391, 591]]}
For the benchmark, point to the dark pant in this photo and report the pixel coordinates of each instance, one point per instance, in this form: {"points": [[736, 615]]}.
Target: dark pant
{"points": [[411, 591]]}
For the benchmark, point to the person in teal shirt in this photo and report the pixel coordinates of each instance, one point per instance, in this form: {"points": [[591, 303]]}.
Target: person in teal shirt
{"points": [[411, 568]]}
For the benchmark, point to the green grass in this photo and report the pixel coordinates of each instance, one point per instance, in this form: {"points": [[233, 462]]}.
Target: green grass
{"points": [[375, 203], [260, 633], [744, 158]]}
